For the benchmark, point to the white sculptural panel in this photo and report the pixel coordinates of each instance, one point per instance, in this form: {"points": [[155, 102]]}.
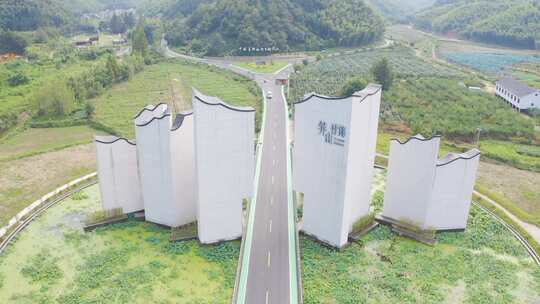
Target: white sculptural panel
{"points": [[118, 174], [225, 157]]}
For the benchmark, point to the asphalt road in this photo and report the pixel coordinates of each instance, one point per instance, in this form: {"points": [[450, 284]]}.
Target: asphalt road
{"points": [[268, 277]]}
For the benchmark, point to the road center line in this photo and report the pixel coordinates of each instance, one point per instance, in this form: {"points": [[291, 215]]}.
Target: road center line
{"points": [[271, 200], [270, 229], [267, 296], [268, 259], [272, 179]]}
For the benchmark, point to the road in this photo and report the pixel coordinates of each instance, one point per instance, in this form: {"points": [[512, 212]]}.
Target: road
{"points": [[269, 271]]}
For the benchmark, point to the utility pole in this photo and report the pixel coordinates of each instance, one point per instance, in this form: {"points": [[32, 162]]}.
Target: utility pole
{"points": [[478, 131]]}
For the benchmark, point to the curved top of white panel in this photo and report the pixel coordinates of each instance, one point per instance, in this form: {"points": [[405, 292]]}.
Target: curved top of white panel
{"points": [[214, 101], [111, 140], [179, 120], [370, 90], [416, 137], [158, 114], [149, 108], [452, 157]]}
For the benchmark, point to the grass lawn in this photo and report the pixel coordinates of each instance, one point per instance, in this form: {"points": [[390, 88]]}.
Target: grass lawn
{"points": [[35, 141], [485, 264], [516, 190], [157, 83], [24, 180], [54, 261], [271, 66]]}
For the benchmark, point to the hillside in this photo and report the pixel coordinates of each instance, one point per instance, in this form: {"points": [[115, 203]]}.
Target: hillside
{"points": [[514, 23], [217, 27], [400, 10], [28, 15]]}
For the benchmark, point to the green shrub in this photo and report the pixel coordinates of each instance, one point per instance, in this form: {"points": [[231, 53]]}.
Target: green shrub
{"points": [[54, 99], [17, 78], [43, 269], [363, 222]]}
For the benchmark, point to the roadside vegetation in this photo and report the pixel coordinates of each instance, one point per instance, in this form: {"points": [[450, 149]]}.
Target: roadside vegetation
{"points": [[171, 81], [485, 264], [264, 67], [132, 262]]}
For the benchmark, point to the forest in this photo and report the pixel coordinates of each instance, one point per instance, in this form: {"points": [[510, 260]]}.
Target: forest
{"points": [[514, 23], [222, 27]]}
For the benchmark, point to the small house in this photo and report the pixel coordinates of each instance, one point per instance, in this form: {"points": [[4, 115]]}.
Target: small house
{"points": [[519, 95]]}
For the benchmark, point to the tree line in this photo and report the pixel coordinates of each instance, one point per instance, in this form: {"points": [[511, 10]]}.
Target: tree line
{"points": [[221, 27]]}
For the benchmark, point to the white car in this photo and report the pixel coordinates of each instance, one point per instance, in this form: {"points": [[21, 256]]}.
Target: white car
{"points": [[269, 95]]}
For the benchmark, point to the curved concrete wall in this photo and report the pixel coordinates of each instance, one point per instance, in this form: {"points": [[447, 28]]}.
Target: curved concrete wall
{"points": [[118, 174], [410, 180], [225, 161], [453, 190], [183, 168], [334, 153]]}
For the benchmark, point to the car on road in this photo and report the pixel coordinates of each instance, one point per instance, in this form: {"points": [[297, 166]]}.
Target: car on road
{"points": [[269, 95]]}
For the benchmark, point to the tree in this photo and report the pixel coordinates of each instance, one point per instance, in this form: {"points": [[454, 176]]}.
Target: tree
{"points": [[140, 43], [54, 99], [113, 68], [17, 78], [11, 42], [117, 25], [382, 73], [352, 86]]}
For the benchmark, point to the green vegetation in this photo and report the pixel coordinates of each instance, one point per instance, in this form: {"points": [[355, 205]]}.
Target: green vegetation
{"points": [[132, 262], [514, 23], [328, 75], [267, 67], [352, 86], [246, 27], [386, 268], [502, 215], [447, 107], [103, 215], [399, 10], [115, 110], [36, 141], [491, 63], [524, 157], [382, 73]]}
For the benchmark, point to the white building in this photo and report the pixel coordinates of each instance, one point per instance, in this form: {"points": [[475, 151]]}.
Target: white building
{"points": [[225, 166], [118, 174], [334, 155], [426, 192], [517, 94], [166, 166]]}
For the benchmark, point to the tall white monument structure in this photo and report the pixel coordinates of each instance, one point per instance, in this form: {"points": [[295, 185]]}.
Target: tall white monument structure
{"points": [[426, 192], [334, 156], [164, 155], [225, 165], [453, 190], [118, 174]]}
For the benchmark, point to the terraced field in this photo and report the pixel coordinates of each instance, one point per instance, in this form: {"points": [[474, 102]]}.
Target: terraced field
{"points": [[328, 75]]}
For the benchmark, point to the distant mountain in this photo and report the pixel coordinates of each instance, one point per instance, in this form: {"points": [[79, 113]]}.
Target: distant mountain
{"points": [[28, 15], [514, 23], [217, 27], [400, 10]]}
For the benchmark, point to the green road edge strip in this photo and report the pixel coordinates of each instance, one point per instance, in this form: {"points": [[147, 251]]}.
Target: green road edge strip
{"points": [[293, 279], [241, 295]]}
